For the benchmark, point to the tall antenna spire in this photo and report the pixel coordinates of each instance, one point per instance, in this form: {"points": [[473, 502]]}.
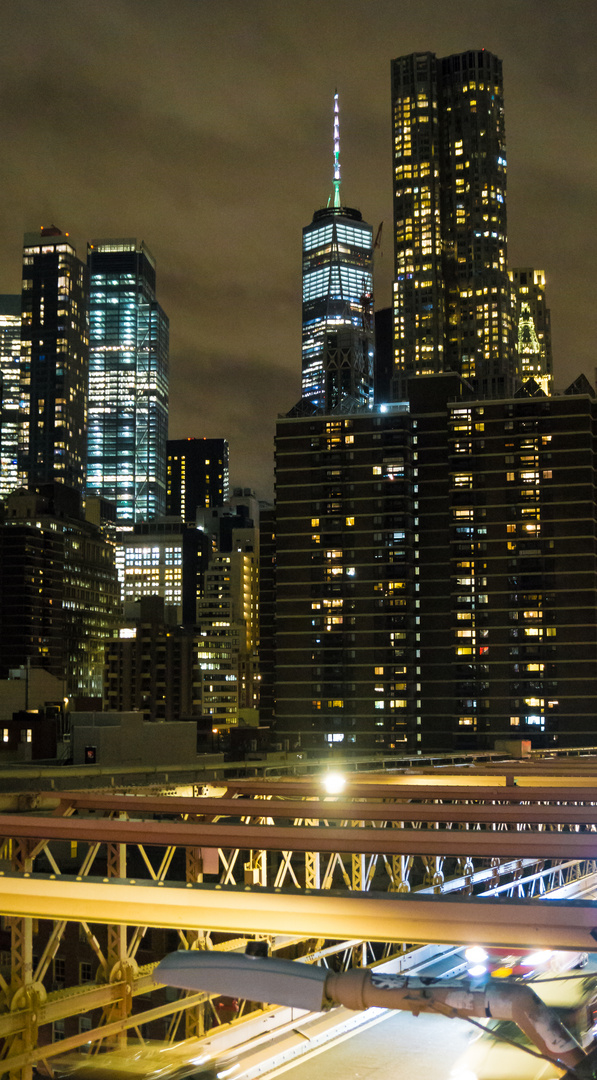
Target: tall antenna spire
{"points": [[337, 202]]}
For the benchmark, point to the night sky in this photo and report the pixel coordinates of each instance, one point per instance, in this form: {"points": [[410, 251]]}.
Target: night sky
{"points": [[204, 128]]}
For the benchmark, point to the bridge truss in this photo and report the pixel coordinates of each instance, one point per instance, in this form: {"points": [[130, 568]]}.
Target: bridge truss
{"points": [[396, 860]]}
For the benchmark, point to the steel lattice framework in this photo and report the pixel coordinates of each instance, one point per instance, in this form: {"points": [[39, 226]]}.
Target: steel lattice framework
{"points": [[396, 860]]}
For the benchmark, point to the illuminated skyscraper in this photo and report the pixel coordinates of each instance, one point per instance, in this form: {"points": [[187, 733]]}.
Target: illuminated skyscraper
{"points": [[54, 361], [10, 391], [451, 292], [338, 349], [128, 382], [533, 327]]}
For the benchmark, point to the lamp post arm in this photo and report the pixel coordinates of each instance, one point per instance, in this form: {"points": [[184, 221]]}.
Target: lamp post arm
{"points": [[361, 988], [304, 986]]}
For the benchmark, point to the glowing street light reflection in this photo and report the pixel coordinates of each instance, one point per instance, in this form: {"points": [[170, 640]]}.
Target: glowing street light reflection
{"points": [[334, 783]]}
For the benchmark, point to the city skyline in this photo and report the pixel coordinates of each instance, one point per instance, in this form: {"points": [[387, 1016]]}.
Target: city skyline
{"points": [[205, 131]]}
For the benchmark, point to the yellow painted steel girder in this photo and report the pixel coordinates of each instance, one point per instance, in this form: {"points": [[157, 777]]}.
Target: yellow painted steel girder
{"points": [[369, 916], [59, 1004]]}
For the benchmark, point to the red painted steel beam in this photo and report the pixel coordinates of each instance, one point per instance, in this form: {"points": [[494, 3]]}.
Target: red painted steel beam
{"points": [[421, 792], [340, 809], [549, 845]]}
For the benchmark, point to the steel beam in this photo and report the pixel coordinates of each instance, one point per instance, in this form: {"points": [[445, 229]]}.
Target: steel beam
{"points": [[440, 786], [337, 810], [368, 841], [468, 813], [373, 916], [424, 788]]}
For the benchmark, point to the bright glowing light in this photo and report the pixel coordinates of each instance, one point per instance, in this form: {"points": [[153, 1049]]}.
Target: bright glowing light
{"points": [[537, 958], [475, 954], [334, 783], [476, 970]]}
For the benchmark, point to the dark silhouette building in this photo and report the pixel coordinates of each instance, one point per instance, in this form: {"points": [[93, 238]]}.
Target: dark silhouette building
{"points": [[384, 354], [59, 597], [152, 667], [197, 476]]}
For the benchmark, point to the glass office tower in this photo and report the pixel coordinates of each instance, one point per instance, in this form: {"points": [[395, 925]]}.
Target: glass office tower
{"points": [[451, 302], [128, 382], [54, 361], [338, 338]]}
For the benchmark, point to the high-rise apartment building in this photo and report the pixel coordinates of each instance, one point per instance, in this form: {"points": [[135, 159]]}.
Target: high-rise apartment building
{"points": [[452, 309], [197, 476], [128, 382], [10, 391], [338, 336], [435, 578], [532, 324], [228, 609], [344, 580], [152, 666], [227, 620], [54, 361]]}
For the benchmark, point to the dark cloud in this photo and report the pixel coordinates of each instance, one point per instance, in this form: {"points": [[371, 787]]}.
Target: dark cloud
{"points": [[203, 127]]}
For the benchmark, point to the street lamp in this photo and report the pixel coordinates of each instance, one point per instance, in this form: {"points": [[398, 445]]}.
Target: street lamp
{"points": [[286, 982], [334, 783]]}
